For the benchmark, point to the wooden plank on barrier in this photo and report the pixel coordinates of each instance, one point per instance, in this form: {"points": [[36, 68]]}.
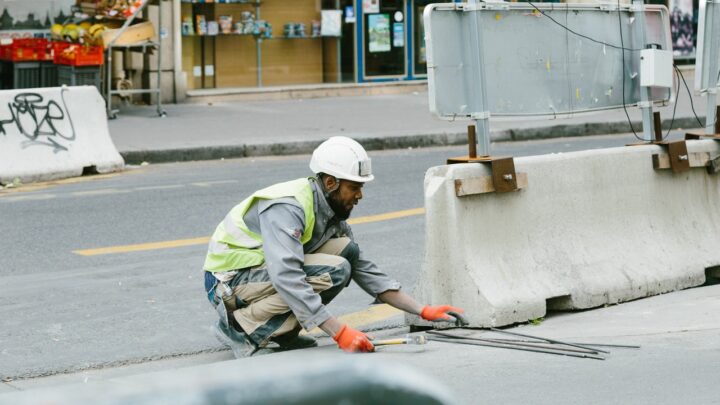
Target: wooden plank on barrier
{"points": [[483, 184], [697, 159]]}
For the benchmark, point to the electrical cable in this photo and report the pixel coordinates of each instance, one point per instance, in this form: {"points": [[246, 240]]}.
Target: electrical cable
{"points": [[692, 106], [582, 35], [677, 98], [623, 49]]}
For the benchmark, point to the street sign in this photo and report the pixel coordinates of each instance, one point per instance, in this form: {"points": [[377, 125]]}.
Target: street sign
{"points": [[563, 60]]}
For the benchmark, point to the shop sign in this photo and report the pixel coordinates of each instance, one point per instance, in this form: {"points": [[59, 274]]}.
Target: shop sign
{"points": [[25, 18], [371, 6]]}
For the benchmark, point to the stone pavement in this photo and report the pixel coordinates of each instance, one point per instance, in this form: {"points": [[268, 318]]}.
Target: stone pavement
{"points": [[225, 129]]}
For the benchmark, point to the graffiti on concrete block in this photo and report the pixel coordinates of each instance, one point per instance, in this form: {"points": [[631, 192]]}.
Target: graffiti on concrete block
{"points": [[42, 122]]}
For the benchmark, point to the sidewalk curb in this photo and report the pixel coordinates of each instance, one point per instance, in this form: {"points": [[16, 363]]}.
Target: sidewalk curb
{"points": [[422, 140]]}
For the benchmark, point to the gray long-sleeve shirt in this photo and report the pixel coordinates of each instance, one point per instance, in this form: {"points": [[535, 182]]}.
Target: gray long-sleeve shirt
{"points": [[281, 222]]}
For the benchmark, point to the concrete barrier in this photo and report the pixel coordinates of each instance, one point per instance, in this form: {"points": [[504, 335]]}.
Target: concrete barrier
{"points": [[54, 133], [591, 228]]}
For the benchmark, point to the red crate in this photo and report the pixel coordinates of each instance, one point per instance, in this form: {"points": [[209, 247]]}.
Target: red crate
{"points": [[25, 49], [78, 55], [57, 47]]}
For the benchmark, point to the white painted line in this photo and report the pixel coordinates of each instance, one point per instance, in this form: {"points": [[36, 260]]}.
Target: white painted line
{"points": [[28, 197], [167, 187], [104, 191]]}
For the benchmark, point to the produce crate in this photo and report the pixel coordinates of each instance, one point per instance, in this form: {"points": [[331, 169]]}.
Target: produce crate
{"points": [[48, 74], [26, 50], [19, 75], [78, 55], [79, 75]]}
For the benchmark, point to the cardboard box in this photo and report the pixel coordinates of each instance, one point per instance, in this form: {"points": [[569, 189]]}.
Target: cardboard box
{"points": [[134, 34]]}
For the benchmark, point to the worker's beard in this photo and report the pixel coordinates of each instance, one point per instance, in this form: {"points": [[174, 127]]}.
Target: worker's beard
{"points": [[337, 206]]}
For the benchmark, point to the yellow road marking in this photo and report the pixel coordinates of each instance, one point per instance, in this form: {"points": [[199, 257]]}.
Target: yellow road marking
{"points": [[375, 313], [143, 246], [386, 216], [204, 240]]}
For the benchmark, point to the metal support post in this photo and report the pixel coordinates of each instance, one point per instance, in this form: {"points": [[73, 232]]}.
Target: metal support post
{"points": [[338, 49], [711, 94], [108, 84], [645, 103], [258, 47], [482, 117], [711, 111], [160, 111]]}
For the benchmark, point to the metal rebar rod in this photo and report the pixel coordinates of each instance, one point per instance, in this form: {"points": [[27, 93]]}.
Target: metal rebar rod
{"points": [[578, 343], [515, 343], [525, 349], [545, 339]]}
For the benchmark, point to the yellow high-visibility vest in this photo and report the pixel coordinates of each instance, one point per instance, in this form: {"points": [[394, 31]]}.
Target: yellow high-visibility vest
{"points": [[233, 246]]}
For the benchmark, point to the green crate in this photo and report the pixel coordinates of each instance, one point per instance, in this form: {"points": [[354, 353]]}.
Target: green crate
{"points": [[20, 75], [79, 75], [48, 74]]}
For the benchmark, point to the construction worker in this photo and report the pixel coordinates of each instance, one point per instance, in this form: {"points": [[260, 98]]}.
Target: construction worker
{"points": [[286, 251]]}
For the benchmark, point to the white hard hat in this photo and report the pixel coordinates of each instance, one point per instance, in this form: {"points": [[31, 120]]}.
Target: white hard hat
{"points": [[342, 158]]}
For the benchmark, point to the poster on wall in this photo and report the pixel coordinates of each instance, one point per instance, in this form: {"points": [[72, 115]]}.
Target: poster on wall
{"points": [[22, 18], [398, 35], [371, 6], [681, 27], [379, 32], [331, 23]]}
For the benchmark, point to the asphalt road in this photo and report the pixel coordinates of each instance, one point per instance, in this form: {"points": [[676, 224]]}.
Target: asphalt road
{"points": [[62, 311]]}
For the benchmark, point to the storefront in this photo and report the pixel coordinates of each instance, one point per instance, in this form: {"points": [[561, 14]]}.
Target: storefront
{"points": [[253, 43]]}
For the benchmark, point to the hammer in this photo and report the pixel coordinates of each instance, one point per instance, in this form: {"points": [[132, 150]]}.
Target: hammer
{"points": [[407, 340]]}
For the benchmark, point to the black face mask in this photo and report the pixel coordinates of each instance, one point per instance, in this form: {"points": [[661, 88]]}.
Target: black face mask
{"points": [[337, 207]]}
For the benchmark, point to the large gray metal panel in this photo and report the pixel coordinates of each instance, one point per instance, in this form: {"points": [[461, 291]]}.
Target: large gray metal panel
{"points": [[532, 65], [706, 58]]}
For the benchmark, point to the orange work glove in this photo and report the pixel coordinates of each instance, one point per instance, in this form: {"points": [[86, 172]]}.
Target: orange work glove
{"points": [[352, 340], [439, 313]]}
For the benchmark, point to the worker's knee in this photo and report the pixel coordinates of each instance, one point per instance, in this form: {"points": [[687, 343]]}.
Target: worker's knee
{"points": [[341, 273], [351, 252]]}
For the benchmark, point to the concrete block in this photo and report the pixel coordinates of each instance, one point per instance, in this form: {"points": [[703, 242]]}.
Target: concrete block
{"points": [[53, 133], [591, 228]]}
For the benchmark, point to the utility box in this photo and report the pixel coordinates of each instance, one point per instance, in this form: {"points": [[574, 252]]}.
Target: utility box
{"points": [[656, 68]]}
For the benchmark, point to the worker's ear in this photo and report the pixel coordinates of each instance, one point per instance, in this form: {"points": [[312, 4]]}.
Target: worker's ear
{"points": [[331, 183]]}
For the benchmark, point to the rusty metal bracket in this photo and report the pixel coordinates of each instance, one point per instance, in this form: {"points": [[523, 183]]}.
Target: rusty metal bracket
{"points": [[677, 155], [504, 178]]}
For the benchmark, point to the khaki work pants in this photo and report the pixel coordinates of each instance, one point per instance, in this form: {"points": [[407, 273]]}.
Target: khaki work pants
{"points": [[257, 308]]}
